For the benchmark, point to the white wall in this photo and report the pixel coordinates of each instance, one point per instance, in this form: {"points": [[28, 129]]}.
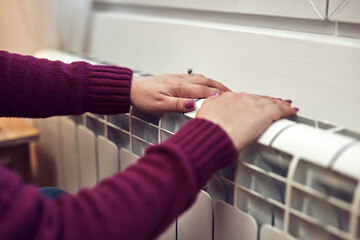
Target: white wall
{"points": [[315, 62]]}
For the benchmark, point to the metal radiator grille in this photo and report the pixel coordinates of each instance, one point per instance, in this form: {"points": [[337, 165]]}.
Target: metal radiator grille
{"points": [[300, 180]]}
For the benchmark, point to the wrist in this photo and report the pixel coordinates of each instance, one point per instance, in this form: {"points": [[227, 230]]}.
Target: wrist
{"points": [[108, 89]]}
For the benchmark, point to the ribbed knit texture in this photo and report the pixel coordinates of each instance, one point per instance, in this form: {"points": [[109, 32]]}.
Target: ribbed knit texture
{"points": [[108, 89], [207, 146], [139, 203], [43, 88]]}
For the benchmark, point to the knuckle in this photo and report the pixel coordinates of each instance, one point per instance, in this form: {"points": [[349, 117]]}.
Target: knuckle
{"points": [[204, 89], [158, 104], [178, 103]]}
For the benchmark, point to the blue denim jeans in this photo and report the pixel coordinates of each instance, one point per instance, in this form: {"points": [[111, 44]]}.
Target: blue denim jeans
{"points": [[52, 192]]}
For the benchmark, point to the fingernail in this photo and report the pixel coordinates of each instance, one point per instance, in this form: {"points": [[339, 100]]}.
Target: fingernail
{"points": [[288, 100], [214, 93], [295, 109], [189, 104]]}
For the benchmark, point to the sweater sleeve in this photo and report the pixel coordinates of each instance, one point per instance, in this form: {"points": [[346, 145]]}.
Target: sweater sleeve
{"points": [[139, 203], [32, 87]]}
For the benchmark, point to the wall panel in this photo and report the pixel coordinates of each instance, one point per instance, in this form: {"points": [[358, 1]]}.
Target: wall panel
{"points": [[319, 73], [313, 9]]}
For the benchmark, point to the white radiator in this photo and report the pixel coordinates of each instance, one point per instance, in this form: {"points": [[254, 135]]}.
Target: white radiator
{"points": [[299, 181]]}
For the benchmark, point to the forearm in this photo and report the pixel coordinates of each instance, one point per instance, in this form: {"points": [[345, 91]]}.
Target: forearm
{"points": [[31, 87], [136, 204]]}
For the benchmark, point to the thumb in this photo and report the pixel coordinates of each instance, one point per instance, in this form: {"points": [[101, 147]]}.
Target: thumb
{"points": [[180, 104]]}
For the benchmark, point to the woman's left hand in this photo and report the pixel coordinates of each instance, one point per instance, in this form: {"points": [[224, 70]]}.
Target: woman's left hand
{"points": [[171, 92]]}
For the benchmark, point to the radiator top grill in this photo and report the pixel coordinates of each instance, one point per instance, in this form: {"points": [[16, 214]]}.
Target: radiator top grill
{"points": [[290, 191], [300, 180]]}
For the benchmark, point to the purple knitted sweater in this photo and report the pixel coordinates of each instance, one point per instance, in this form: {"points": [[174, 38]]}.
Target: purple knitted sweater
{"points": [[138, 203]]}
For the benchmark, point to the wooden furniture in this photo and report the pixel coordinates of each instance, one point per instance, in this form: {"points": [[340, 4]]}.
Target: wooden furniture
{"points": [[15, 137]]}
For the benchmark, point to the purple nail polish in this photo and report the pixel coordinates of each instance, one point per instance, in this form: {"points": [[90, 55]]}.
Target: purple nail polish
{"points": [[214, 93], [189, 104], [288, 100], [295, 109]]}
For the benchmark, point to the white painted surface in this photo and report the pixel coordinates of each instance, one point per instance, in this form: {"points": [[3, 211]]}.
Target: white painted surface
{"points": [[348, 162], [274, 130], [108, 157], [315, 9], [311, 144], [126, 158], [196, 223], [344, 11], [69, 153], [87, 157], [267, 232], [319, 73], [54, 54], [77, 25], [232, 224]]}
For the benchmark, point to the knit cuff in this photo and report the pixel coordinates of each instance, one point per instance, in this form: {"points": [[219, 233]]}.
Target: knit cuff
{"points": [[108, 89], [207, 146]]}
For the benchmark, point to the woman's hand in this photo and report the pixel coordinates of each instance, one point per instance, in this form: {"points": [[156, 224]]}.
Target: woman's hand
{"points": [[244, 116], [171, 92]]}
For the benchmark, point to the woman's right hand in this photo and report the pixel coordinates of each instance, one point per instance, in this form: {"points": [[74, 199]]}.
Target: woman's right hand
{"points": [[244, 117]]}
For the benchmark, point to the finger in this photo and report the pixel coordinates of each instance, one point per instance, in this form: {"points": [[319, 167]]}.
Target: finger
{"points": [[261, 101], [194, 91], [272, 99], [216, 95], [287, 101], [175, 104], [279, 110], [202, 80], [264, 100]]}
